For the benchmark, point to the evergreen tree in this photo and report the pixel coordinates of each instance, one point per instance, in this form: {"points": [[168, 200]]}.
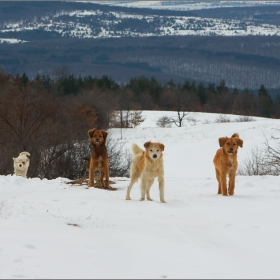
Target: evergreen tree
{"points": [[265, 101], [201, 91]]}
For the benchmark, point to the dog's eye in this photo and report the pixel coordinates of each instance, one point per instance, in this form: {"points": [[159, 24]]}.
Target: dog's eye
{"points": [[157, 150], [151, 150]]}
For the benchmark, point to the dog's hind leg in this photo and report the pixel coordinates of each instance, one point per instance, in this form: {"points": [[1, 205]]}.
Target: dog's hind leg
{"points": [[148, 187], [133, 178]]}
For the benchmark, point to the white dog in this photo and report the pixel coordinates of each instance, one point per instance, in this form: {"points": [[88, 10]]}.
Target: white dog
{"points": [[21, 164], [147, 165]]}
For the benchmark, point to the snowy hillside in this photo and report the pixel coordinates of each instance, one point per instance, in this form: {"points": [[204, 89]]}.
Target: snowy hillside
{"points": [[51, 229]]}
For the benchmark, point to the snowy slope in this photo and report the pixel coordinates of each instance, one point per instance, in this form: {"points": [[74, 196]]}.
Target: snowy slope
{"points": [[50, 229]]}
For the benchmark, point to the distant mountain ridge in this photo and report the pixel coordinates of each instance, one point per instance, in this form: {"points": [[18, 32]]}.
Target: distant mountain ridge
{"points": [[89, 20], [239, 44]]}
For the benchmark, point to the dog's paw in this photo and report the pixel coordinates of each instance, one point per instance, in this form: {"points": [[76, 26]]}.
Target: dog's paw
{"points": [[142, 199], [163, 201], [149, 199], [128, 198]]}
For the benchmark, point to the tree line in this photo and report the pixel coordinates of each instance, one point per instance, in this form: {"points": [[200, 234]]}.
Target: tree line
{"points": [[142, 93], [49, 116]]}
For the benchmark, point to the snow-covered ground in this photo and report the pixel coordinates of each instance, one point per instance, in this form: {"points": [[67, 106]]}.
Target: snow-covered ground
{"points": [[50, 229]]}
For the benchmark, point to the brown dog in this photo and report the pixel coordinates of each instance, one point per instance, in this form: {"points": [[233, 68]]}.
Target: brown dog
{"points": [[225, 162], [99, 160], [148, 165]]}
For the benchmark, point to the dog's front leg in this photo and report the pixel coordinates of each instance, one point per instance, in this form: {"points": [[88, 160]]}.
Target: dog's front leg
{"points": [[218, 177], [143, 189], [91, 174], [223, 182], [161, 189], [106, 176], [231, 183], [102, 177], [149, 184]]}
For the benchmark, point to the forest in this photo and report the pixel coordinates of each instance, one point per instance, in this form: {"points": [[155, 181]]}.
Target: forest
{"points": [[49, 117]]}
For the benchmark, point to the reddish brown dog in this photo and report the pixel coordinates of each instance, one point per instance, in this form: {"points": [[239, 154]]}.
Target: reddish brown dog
{"points": [[225, 162], [99, 157]]}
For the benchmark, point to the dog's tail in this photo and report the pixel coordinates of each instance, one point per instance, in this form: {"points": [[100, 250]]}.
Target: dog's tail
{"points": [[24, 153], [235, 135], [136, 149]]}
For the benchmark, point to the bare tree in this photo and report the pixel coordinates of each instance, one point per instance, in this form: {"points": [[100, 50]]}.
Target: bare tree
{"points": [[181, 116]]}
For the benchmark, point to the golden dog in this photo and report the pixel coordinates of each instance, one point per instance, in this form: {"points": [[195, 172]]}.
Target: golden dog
{"points": [[148, 165], [99, 161], [225, 162]]}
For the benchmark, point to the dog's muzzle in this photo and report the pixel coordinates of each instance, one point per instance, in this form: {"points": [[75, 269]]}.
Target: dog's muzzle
{"points": [[154, 156], [230, 151]]}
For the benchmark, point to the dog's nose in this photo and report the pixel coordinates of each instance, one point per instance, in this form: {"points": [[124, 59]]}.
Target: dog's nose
{"points": [[20, 165], [231, 149], [97, 140], [154, 156]]}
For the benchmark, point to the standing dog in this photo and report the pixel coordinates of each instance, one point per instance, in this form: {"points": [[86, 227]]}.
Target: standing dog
{"points": [[21, 164], [147, 165], [99, 161], [225, 162]]}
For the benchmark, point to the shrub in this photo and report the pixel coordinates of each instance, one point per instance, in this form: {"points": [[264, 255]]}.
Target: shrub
{"points": [[222, 119]]}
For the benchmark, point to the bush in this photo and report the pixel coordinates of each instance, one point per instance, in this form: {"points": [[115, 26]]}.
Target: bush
{"points": [[244, 119], [254, 165], [222, 119], [164, 121]]}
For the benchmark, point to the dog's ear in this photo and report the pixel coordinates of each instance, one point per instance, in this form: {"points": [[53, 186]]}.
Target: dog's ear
{"points": [[161, 146], [222, 141], [91, 132], [239, 142], [105, 133], [147, 144]]}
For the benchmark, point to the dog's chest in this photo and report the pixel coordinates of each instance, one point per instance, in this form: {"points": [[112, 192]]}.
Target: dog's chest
{"points": [[151, 172], [231, 163], [99, 162]]}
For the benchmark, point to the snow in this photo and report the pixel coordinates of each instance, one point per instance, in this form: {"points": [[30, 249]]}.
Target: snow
{"points": [[51, 229], [11, 41]]}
